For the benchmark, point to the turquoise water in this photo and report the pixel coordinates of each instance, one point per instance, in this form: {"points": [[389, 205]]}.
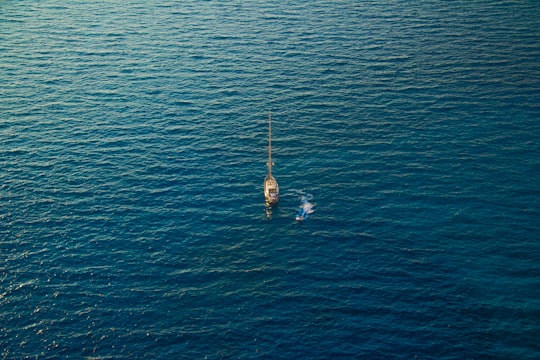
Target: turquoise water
{"points": [[133, 152]]}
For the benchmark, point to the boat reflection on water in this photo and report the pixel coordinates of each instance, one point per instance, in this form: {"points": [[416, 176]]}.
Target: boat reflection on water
{"points": [[268, 210]]}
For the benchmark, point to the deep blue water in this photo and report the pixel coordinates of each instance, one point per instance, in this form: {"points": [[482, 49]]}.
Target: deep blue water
{"points": [[133, 151]]}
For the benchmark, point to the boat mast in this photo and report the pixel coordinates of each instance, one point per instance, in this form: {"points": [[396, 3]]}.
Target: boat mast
{"points": [[269, 144]]}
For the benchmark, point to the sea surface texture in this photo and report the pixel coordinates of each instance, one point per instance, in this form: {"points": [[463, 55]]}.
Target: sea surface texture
{"points": [[133, 147]]}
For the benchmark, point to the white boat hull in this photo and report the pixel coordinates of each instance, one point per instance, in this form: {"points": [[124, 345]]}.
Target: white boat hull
{"points": [[271, 190]]}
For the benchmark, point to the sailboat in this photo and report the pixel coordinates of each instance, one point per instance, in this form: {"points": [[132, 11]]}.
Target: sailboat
{"points": [[271, 188]]}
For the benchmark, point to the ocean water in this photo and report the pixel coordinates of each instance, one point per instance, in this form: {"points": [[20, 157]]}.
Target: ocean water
{"points": [[133, 152]]}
